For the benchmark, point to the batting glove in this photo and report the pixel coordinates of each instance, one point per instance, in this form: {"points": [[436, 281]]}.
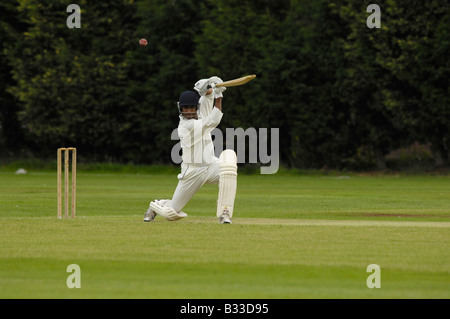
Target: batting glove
{"points": [[217, 90], [202, 86], [214, 80]]}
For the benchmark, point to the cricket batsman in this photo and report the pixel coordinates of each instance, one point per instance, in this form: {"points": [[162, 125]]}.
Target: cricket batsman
{"points": [[200, 112]]}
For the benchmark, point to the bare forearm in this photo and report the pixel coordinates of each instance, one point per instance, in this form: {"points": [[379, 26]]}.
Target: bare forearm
{"points": [[218, 103]]}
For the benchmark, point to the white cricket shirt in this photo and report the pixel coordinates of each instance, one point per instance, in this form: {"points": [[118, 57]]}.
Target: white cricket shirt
{"points": [[195, 135]]}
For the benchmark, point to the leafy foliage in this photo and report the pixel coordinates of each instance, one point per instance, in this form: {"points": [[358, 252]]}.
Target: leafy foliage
{"points": [[343, 95]]}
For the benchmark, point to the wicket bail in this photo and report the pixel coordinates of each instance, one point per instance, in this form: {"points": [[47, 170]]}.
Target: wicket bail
{"points": [[66, 181]]}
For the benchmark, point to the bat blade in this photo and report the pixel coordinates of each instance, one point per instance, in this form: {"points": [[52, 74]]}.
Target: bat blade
{"points": [[236, 82]]}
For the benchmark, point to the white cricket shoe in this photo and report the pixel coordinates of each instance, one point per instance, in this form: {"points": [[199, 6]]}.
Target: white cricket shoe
{"points": [[225, 218], [149, 215]]}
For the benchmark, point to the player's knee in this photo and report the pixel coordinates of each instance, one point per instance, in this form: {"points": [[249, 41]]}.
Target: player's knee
{"points": [[166, 212], [228, 162]]}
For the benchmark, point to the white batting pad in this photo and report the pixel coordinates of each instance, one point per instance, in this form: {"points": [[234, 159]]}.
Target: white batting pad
{"points": [[227, 182], [166, 212]]}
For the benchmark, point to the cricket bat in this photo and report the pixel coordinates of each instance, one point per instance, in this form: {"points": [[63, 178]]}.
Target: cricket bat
{"points": [[236, 82]]}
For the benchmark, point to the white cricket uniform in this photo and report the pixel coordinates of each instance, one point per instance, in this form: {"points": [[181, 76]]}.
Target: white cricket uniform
{"points": [[200, 166]]}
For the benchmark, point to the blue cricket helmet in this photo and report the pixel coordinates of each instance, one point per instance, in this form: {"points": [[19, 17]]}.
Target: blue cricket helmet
{"points": [[188, 98]]}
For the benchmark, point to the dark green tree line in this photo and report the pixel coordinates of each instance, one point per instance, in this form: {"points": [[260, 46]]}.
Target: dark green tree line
{"points": [[343, 95]]}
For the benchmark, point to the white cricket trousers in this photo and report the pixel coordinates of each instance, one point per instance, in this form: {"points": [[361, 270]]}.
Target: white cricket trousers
{"points": [[191, 179]]}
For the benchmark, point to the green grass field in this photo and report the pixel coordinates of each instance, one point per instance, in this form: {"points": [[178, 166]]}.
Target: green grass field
{"points": [[293, 236]]}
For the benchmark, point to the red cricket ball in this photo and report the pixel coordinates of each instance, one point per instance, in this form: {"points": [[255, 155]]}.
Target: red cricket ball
{"points": [[143, 42]]}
